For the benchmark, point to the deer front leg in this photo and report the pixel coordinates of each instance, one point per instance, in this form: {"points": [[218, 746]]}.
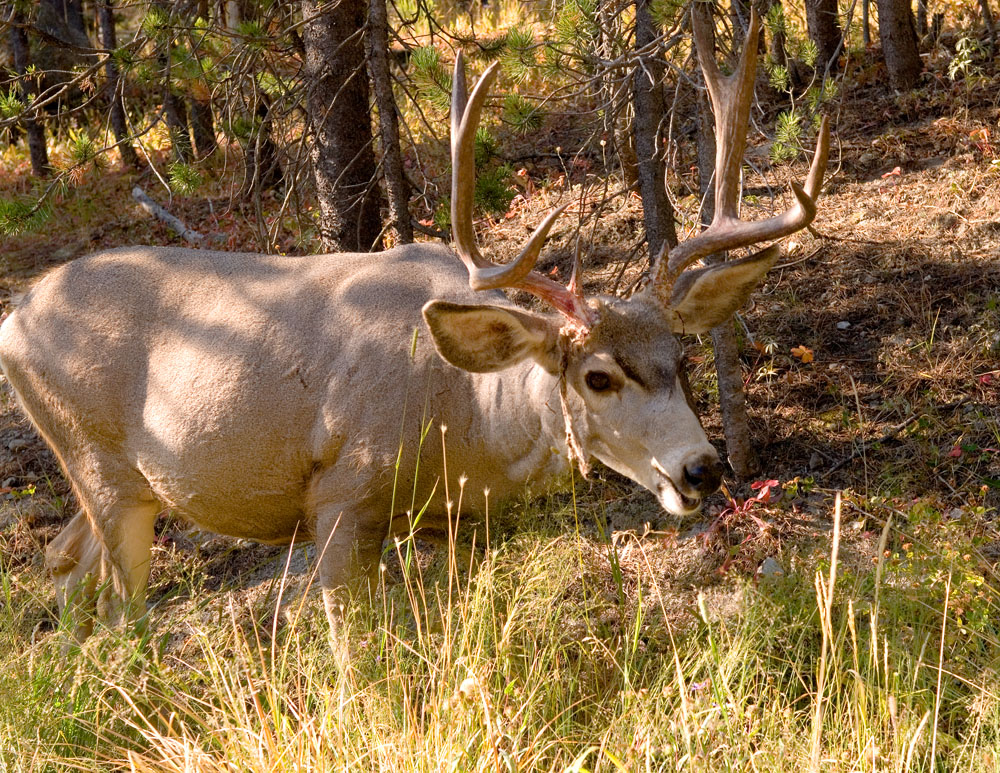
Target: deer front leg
{"points": [[348, 534]]}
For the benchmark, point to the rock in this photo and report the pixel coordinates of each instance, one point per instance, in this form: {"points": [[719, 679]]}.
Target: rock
{"points": [[843, 325], [770, 569], [816, 460], [9, 483], [17, 444]]}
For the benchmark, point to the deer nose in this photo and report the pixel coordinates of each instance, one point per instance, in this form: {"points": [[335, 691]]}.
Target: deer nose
{"points": [[704, 475]]}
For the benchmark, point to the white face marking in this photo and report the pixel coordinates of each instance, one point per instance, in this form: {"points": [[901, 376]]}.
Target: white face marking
{"points": [[652, 437]]}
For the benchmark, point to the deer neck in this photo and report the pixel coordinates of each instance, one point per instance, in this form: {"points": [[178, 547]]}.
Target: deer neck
{"points": [[521, 415]]}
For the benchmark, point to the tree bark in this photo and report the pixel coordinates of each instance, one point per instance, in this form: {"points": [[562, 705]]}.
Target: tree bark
{"points": [[119, 125], [34, 130], [202, 127], [899, 43], [921, 18], [729, 371], [260, 156], [866, 25], [739, 18], [338, 116], [824, 30], [74, 15], [392, 158], [658, 214], [984, 6], [177, 124]]}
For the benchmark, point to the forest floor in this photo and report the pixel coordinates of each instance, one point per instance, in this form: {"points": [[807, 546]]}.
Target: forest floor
{"points": [[872, 362]]}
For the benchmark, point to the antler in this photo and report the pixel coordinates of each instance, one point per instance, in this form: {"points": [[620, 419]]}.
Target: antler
{"points": [[484, 274], [731, 96]]}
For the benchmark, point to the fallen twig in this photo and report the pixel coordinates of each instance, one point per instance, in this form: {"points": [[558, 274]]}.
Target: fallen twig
{"points": [[890, 435], [173, 223]]}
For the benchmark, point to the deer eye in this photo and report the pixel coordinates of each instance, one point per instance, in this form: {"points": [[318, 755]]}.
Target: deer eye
{"points": [[598, 381]]}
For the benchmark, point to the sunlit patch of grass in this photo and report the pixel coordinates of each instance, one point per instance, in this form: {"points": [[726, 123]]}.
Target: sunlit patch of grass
{"points": [[535, 661]]}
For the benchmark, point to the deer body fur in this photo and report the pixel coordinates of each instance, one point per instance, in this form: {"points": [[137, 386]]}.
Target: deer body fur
{"points": [[257, 395]]}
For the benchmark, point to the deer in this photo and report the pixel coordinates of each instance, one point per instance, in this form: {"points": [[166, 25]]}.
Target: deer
{"points": [[280, 398]]}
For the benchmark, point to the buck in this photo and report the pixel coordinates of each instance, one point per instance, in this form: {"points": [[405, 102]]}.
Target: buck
{"points": [[268, 397]]}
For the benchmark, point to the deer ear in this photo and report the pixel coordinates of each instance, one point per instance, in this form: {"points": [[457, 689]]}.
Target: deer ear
{"points": [[484, 339], [706, 297]]}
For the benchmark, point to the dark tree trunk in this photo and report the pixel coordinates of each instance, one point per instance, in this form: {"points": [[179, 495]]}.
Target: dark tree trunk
{"points": [[200, 106], [899, 43], [866, 24], [775, 49], [984, 6], [921, 18], [729, 371], [174, 110], [658, 214], [22, 61], [119, 125], [202, 127], [63, 19], [339, 119], [74, 16], [177, 123], [824, 30], [739, 19], [392, 159], [260, 157]]}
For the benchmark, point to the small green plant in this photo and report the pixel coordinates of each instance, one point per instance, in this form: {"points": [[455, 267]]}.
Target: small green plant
{"points": [[431, 77], [21, 215], [787, 136], [10, 104], [82, 148], [253, 33], [156, 21], [665, 12], [521, 114], [494, 192], [967, 50], [519, 54], [576, 27], [817, 96], [125, 59], [241, 127], [184, 178], [777, 75], [486, 147]]}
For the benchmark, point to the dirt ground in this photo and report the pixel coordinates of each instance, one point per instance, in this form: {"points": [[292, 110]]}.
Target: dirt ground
{"points": [[871, 355]]}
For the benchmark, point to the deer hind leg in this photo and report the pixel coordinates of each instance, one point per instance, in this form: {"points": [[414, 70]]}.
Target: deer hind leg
{"points": [[103, 567], [102, 557], [103, 553], [74, 560]]}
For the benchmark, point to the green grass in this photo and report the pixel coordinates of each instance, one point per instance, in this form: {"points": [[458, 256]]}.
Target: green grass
{"points": [[546, 657]]}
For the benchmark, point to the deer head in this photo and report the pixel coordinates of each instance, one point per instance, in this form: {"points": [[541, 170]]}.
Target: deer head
{"points": [[617, 361]]}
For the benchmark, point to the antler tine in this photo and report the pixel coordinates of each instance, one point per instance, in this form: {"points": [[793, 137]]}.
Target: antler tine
{"points": [[731, 97], [817, 169], [484, 275], [464, 120]]}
